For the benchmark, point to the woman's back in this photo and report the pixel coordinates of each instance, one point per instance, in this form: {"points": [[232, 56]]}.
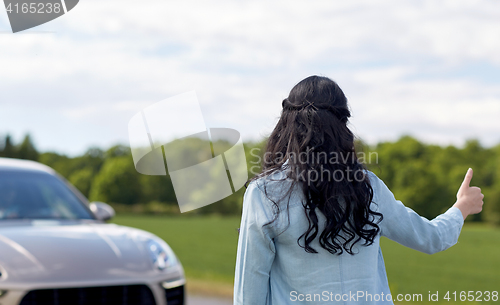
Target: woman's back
{"points": [[281, 272]]}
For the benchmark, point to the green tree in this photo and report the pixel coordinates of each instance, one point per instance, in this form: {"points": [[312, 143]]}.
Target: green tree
{"points": [[417, 187], [409, 169], [491, 208], [117, 151], [8, 149], [116, 182], [157, 188], [82, 180], [26, 150], [92, 160], [60, 163]]}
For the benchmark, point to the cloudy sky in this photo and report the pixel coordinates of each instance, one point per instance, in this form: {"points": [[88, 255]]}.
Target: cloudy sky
{"points": [[426, 68]]}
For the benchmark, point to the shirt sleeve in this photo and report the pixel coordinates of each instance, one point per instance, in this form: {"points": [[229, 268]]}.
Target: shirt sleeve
{"points": [[404, 226], [256, 250]]}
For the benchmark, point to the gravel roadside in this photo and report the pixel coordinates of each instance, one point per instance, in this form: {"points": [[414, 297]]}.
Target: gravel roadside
{"points": [[202, 300]]}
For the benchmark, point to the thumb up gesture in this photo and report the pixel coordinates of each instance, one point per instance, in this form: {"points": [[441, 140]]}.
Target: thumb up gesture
{"points": [[469, 198]]}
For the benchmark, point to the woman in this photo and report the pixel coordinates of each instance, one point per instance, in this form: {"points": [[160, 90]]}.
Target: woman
{"points": [[312, 220]]}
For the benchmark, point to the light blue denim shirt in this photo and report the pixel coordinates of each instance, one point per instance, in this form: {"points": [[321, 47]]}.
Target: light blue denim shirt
{"points": [[271, 269]]}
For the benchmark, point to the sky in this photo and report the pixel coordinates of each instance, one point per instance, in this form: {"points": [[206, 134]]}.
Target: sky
{"points": [[430, 69]]}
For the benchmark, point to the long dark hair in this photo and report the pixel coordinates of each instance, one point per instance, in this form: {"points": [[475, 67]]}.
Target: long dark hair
{"points": [[311, 139]]}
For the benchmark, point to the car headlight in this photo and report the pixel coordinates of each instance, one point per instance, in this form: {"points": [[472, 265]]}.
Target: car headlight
{"points": [[3, 274], [161, 255]]}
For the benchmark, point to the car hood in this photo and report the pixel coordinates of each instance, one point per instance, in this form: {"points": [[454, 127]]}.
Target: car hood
{"points": [[52, 251]]}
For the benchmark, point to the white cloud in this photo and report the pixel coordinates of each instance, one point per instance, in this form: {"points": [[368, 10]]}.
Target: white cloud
{"points": [[107, 59]]}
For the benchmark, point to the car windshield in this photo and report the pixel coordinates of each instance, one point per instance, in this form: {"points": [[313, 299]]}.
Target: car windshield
{"points": [[38, 195]]}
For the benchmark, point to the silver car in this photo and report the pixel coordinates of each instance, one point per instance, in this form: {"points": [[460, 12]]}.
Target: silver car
{"points": [[55, 247]]}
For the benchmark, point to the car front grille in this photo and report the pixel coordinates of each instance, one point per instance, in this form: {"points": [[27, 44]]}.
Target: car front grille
{"points": [[175, 296], [110, 295]]}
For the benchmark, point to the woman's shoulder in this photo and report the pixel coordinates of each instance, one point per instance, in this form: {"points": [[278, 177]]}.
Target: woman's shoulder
{"points": [[257, 204], [375, 181], [278, 185], [378, 186], [271, 191]]}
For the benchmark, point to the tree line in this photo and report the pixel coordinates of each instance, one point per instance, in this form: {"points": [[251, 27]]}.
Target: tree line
{"points": [[423, 176]]}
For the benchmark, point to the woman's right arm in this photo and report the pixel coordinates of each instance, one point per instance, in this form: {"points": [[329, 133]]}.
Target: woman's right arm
{"points": [[406, 227]]}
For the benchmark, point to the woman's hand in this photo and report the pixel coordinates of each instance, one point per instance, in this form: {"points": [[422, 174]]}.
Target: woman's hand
{"points": [[469, 198]]}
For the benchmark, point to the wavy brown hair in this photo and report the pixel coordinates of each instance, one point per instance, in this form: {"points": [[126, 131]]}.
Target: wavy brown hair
{"points": [[312, 138]]}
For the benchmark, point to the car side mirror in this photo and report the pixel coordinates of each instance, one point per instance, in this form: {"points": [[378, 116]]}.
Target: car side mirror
{"points": [[101, 210]]}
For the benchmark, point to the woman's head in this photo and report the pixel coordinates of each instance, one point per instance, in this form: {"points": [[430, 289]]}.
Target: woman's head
{"points": [[313, 139], [321, 93], [313, 120]]}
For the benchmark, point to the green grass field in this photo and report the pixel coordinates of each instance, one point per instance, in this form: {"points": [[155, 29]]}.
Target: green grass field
{"points": [[206, 247]]}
